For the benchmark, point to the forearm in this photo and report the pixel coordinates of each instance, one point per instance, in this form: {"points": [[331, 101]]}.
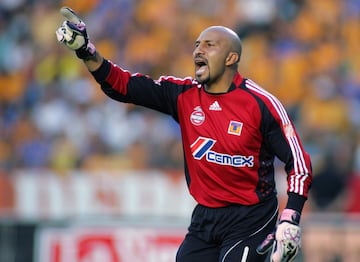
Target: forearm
{"points": [[295, 202], [94, 62]]}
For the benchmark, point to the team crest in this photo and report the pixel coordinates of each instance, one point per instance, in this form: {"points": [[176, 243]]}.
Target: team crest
{"points": [[235, 128], [198, 116]]}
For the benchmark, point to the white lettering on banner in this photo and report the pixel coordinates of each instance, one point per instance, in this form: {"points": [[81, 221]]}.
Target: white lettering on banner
{"points": [[118, 244], [47, 195]]}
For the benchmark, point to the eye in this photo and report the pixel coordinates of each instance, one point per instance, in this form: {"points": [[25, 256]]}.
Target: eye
{"points": [[210, 44]]}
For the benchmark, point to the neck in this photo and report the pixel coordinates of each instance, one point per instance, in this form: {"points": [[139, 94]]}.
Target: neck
{"points": [[222, 85], [214, 89]]}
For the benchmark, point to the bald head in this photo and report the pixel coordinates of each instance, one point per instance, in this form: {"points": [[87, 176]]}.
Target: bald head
{"points": [[229, 35]]}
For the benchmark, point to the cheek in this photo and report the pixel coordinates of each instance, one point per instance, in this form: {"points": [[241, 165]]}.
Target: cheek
{"points": [[217, 65]]}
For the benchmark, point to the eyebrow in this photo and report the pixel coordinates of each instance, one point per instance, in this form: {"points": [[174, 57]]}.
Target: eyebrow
{"points": [[206, 41]]}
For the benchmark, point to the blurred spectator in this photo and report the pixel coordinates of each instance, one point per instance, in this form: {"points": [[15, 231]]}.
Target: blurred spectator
{"points": [[332, 175]]}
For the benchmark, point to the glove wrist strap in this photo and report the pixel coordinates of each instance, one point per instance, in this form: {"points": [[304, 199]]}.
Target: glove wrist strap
{"points": [[291, 216], [87, 52]]}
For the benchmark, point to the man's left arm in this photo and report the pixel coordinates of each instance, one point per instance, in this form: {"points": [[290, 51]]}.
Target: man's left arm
{"points": [[285, 142]]}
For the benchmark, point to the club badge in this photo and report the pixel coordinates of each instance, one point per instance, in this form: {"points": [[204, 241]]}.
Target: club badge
{"points": [[235, 128], [197, 117]]}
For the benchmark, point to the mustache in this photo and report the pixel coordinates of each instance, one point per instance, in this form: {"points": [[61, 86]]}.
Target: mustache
{"points": [[199, 56]]}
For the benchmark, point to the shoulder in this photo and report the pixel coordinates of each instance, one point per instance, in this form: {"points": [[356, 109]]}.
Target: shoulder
{"points": [[261, 93], [270, 101]]}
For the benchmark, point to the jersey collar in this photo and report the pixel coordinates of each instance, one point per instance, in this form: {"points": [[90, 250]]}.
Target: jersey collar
{"points": [[238, 79]]}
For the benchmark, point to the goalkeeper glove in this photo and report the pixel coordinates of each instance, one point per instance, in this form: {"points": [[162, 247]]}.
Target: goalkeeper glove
{"points": [[73, 34], [285, 240]]}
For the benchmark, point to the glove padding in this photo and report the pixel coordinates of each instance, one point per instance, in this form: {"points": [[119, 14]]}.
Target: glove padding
{"points": [[285, 240], [73, 34]]}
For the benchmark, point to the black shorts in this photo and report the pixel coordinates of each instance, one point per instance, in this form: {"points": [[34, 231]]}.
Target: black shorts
{"points": [[229, 233]]}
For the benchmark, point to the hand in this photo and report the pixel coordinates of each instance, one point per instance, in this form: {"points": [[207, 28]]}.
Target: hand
{"points": [[73, 34], [285, 240]]}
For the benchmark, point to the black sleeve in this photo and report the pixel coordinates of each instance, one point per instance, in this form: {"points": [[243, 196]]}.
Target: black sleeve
{"points": [[160, 95]]}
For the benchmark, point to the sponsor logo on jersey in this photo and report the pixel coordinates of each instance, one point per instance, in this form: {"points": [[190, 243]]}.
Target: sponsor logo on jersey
{"points": [[215, 106], [235, 128], [202, 147], [197, 117]]}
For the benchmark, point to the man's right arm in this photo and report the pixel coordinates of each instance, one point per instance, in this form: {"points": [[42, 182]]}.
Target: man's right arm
{"points": [[117, 83]]}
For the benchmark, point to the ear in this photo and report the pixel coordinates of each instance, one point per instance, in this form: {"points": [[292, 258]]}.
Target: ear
{"points": [[232, 59]]}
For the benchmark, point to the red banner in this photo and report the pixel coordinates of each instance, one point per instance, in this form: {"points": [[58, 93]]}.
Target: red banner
{"points": [[113, 244]]}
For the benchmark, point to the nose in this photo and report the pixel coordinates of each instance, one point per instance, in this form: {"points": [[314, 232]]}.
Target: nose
{"points": [[198, 50]]}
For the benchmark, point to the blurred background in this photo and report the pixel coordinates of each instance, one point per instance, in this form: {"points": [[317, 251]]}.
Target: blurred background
{"points": [[84, 178]]}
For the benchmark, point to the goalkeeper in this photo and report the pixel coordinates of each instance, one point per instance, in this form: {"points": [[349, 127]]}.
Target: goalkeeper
{"points": [[232, 130]]}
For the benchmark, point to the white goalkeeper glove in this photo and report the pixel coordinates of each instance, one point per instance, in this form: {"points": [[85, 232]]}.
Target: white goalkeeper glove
{"points": [[285, 240], [73, 34]]}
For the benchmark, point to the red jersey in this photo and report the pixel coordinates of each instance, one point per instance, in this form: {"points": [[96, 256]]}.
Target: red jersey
{"points": [[230, 140]]}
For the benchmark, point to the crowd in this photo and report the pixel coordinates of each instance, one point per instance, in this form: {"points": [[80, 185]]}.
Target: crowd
{"points": [[53, 115]]}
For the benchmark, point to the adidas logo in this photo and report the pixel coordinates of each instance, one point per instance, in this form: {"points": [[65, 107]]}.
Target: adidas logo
{"points": [[215, 106]]}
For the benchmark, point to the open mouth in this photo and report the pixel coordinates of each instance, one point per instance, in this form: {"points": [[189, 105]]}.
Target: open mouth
{"points": [[199, 62], [200, 66]]}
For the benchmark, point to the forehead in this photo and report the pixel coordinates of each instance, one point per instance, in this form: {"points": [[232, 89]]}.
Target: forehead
{"points": [[211, 35]]}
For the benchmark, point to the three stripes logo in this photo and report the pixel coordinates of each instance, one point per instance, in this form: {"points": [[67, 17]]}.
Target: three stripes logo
{"points": [[215, 106]]}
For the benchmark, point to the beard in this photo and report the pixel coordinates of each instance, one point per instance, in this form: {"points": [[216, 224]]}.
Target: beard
{"points": [[202, 80]]}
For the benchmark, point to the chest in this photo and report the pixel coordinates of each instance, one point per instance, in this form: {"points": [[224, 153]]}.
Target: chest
{"points": [[232, 121]]}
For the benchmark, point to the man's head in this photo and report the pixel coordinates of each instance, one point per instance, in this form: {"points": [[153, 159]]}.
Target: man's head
{"points": [[216, 55]]}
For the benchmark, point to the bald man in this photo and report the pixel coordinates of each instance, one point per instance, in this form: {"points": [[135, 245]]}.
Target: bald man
{"points": [[232, 130]]}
